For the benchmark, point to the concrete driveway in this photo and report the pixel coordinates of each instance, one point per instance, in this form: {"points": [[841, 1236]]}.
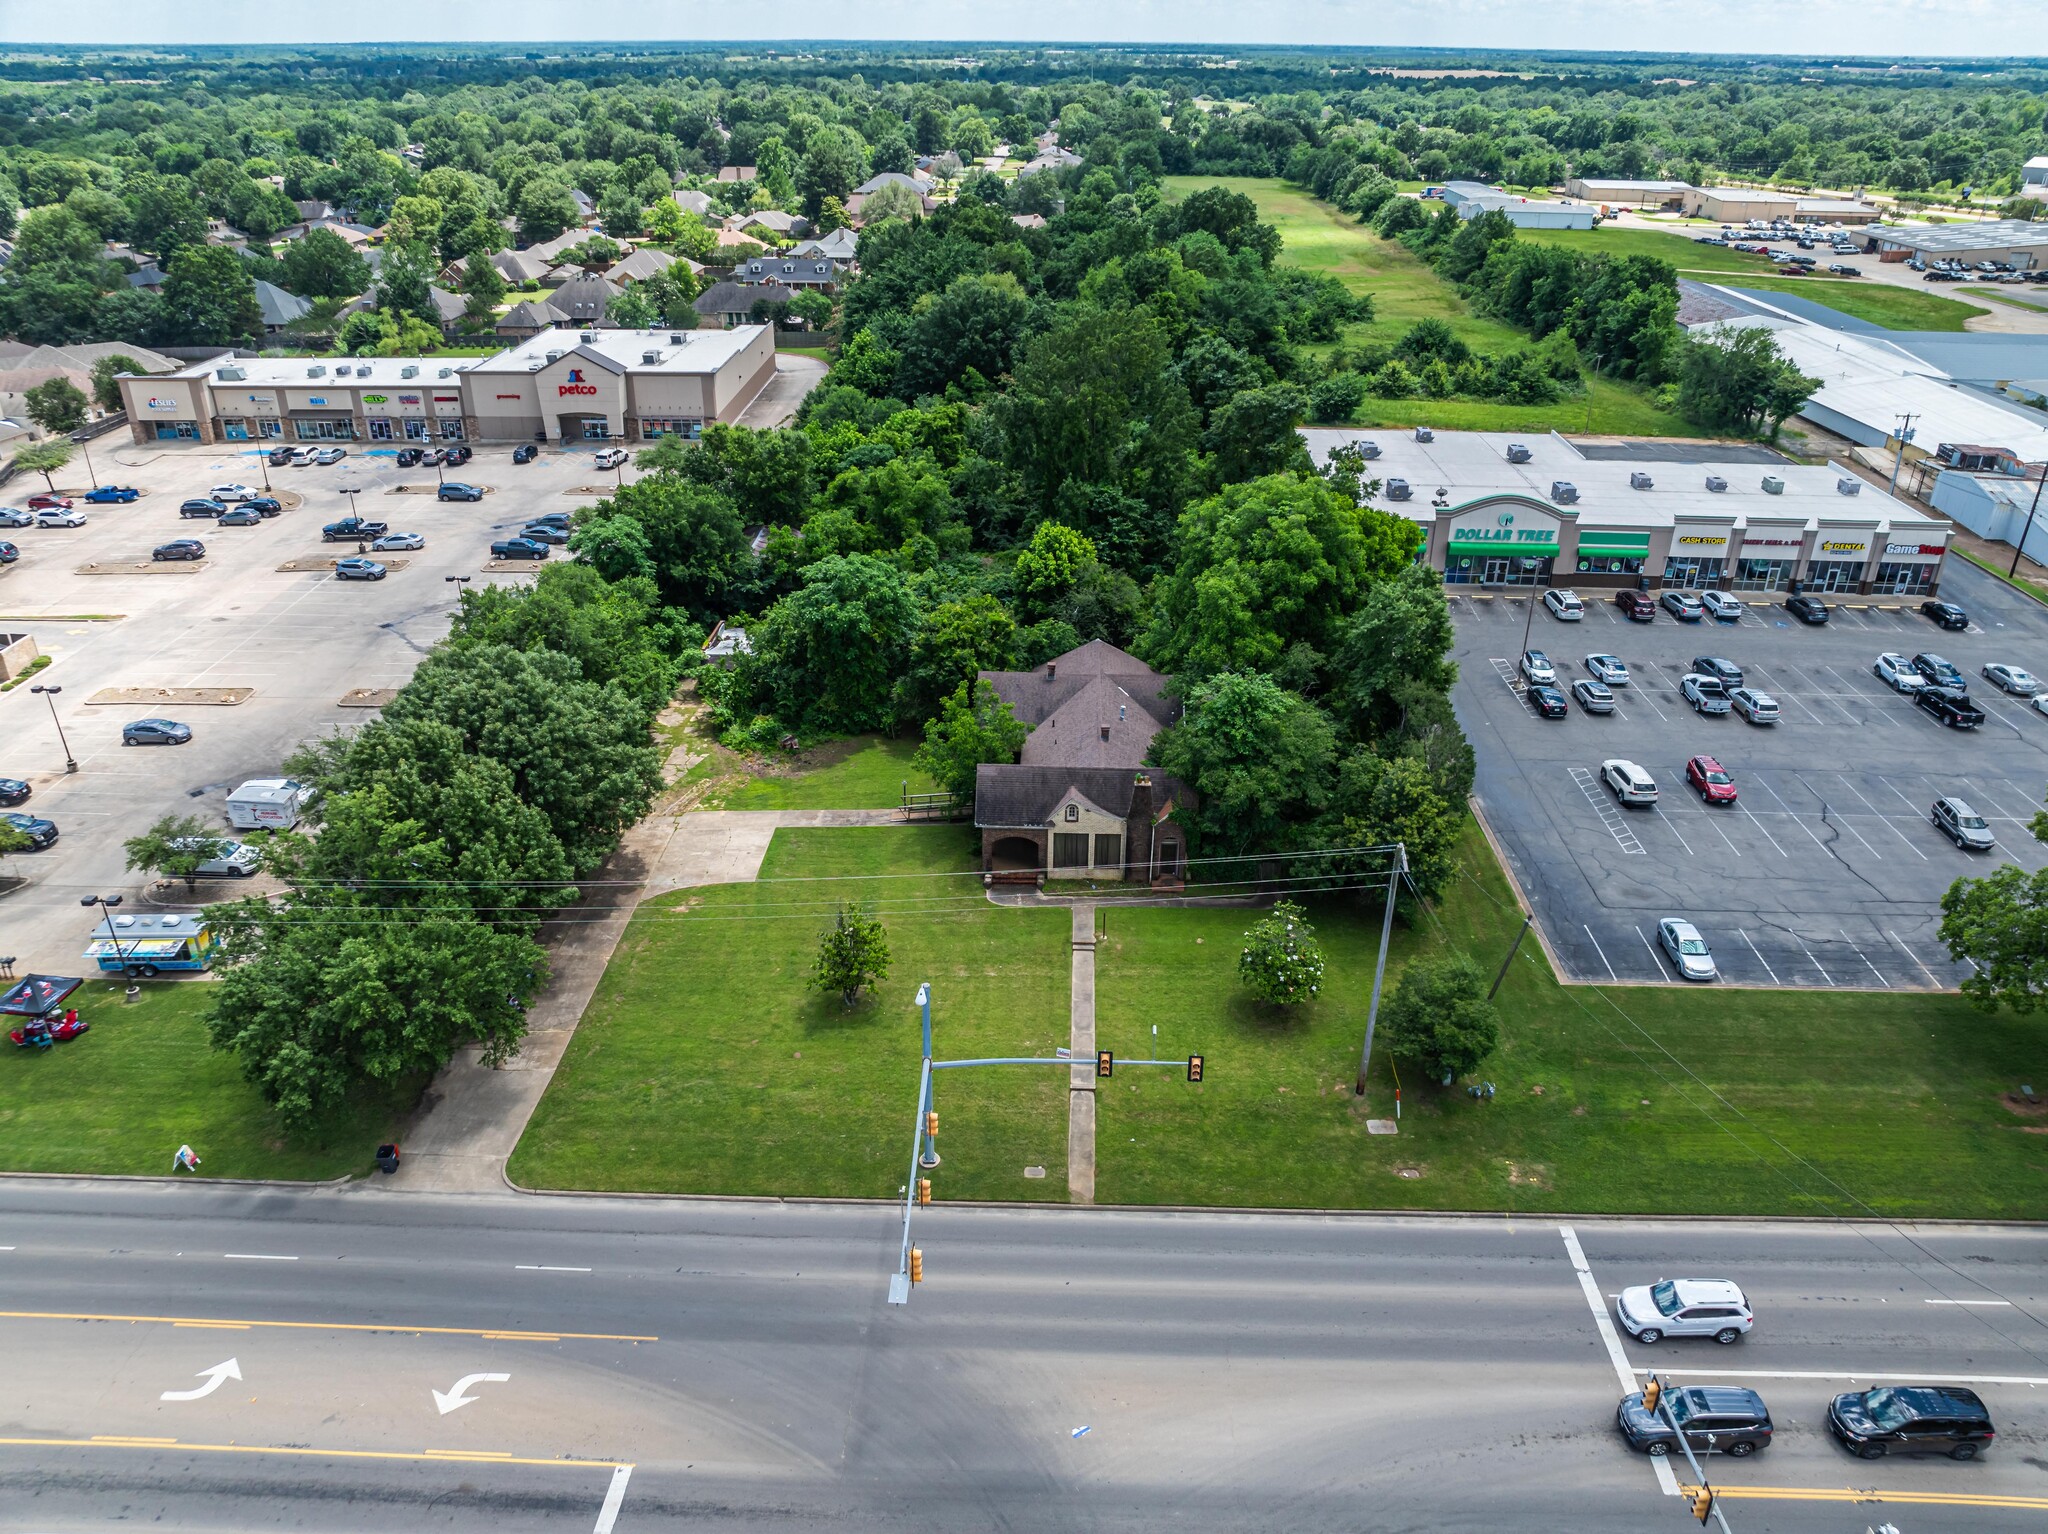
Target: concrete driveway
{"points": [[794, 379]]}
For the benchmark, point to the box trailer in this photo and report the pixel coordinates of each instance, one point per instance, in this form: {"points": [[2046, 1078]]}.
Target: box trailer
{"points": [[267, 802]]}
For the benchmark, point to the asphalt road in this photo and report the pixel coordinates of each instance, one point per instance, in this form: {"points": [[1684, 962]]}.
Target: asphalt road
{"points": [[1826, 873], [735, 1365]]}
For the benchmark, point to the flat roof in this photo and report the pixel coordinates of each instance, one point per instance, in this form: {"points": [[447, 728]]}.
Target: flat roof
{"points": [[1471, 465], [1992, 234], [1622, 184], [676, 351], [271, 372]]}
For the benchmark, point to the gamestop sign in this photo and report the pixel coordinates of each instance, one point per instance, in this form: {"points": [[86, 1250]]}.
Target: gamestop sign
{"points": [[575, 385]]}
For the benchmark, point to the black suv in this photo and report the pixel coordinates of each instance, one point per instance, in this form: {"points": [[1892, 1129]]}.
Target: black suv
{"points": [[1807, 608], [1917, 1419], [1715, 1418], [1951, 706], [1947, 614], [408, 456], [1940, 673]]}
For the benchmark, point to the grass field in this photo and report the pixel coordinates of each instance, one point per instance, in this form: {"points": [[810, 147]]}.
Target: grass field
{"points": [[123, 1098], [1893, 308], [704, 1065], [865, 773], [1318, 238], [1803, 1103]]}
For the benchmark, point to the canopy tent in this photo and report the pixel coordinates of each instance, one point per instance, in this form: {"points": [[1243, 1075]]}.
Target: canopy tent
{"points": [[37, 994]]}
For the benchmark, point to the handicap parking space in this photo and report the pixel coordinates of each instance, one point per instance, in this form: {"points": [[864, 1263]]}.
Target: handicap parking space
{"points": [[1827, 870]]}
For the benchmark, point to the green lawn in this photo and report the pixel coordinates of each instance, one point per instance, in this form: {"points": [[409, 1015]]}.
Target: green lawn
{"points": [[865, 773], [1319, 238], [1893, 308], [704, 1065], [1896, 1098], [1679, 249], [143, 1081]]}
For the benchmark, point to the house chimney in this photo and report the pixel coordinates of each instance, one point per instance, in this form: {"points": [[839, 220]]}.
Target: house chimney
{"points": [[1138, 829], [1051, 669]]}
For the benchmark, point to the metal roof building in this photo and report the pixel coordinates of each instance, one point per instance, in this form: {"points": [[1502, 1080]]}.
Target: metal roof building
{"points": [[2023, 243]]}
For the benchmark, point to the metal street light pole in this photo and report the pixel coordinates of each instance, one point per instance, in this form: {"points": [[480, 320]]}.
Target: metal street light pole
{"points": [[1905, 436], [1379, 972], [50, 697], [107, 904], [460, 583], [2020, 544], [90, 472]]}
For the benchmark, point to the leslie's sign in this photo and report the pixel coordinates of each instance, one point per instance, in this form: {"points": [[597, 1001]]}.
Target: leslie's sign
{"points": [[576, 385]]}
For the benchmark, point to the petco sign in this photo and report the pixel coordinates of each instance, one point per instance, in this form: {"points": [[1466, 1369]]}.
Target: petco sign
{"points": [[576, 385]]}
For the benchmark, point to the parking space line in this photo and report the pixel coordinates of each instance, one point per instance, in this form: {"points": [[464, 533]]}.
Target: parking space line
{"points": [[2003, 812], [1793, 813], [1866, 961], [1913, 956], [1862, 694], [1882, 818], [1610, 815], [1824, 693], [1766, 963], [1760, 826], [1611, 975], [1829, 815], [2025, 797], [1783, 696], [1656, 962], [1908, 803], [1830, 979], [1668, 824]]}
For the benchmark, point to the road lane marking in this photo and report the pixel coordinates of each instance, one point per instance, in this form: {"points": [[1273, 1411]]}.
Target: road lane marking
{"points": [[256, 1257], [495, 1334], [614, 1499], [1968, 1302], [2034, 1381], [129, 1438], [1611, 975], [1766, 963], [216, 1326], [1913, 956], [1852, 1494], [1665, 1478], [456, 1456], [539, 1267]]}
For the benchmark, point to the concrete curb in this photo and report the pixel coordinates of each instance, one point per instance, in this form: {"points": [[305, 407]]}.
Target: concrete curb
{"points": [[180, 1180]]}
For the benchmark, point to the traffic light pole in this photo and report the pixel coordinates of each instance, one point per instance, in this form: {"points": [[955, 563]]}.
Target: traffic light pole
{"points": [[1699, 1475]]}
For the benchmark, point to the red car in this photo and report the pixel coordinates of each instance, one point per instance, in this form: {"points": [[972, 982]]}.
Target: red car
{"points": [[42, 1032], [1636, 605], [48, 502], [1713, 781]]}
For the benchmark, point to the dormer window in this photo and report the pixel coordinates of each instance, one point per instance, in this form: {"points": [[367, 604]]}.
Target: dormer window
{"points": [[1073, 812]]}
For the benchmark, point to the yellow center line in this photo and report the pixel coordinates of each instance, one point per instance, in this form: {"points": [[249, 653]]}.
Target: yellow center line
{"points": [[493, 1334], [1852, 1494], [216, 1326], [127, 1438], [430, 1456]]}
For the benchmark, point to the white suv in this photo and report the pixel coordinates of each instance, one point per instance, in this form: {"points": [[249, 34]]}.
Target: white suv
{"points": [[1684, 1307], [1565, 605], [1631, 784]]}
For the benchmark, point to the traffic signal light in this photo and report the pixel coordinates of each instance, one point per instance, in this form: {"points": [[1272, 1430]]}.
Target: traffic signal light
{"points": [[924, 1190], [1651, 1393], [916, 1266], [931, 1123], [1703, 1503], [1194, 1067], [1105, 1063]]}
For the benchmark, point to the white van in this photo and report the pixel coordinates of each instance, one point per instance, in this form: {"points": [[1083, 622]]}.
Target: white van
{"points": [[267, 803], [1631, 784]]}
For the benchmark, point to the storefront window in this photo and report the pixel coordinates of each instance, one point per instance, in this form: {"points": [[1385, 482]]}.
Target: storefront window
{"points": [[451, 430], [380, 428], [325, 431], [235, 431], [1602, 564], [1693, 572], [1904, 580], [270, 427], [415, 429], [1834, 574], [670, 426], [1459, 572], [1763, 574], [177, 431]]}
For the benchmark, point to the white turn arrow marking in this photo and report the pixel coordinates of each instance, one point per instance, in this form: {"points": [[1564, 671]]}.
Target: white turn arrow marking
{"points": [[449, 1400], [227, 1371]]}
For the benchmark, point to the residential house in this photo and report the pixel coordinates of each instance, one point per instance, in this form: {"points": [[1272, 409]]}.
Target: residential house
{"points": [[918, 186], [358, 236], [148, 275], [840, 245], [548, 252], [770, 221], [639, 266], [585, 297], [279, 307], [1028, 220], [698, 203], [1049, 159], [1081, 802], [529, 319], [586, 210], [732, 303], [734, 240], [313, 211], [825, 276], [519, 267], [449, 307], [24, 367], [735, 173]]}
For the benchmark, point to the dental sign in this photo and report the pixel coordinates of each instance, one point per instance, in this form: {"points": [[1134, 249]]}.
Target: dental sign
{"points": [[1503, 532], [1857, 547], [576, 385]]}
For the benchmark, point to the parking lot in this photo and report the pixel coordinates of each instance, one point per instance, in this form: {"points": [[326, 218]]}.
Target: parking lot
{"points": [[1826, 872], [300, 641]]}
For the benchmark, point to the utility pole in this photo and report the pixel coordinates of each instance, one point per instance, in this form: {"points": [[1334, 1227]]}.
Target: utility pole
{"points": [[929, 1158], [1379, 973], [1513, 949], [1905, 435], [2020, 543]]}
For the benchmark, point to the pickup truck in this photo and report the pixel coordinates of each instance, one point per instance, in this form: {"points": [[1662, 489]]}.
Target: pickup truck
{"points": [[349, 528]]}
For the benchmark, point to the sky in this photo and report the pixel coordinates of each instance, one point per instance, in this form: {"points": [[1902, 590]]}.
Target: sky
{"points": [[1890, 27]]}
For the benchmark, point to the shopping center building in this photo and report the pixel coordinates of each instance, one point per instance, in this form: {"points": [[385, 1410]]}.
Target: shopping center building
{"points": [[558, 386], [1500, 511]]}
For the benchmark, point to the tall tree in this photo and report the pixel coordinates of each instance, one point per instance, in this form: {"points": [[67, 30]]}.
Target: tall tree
{"points": [[1258, 756], [210, 299], [57, 405], [323, 265], [1439, 1016], [830, 652]]}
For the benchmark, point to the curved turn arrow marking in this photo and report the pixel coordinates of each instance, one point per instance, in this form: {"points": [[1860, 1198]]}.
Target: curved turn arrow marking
{"points": [[449, 1400], [231, 1370]]}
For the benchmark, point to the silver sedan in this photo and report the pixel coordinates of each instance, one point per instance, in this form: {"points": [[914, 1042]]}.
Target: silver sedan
{"points": [[396, 543]]}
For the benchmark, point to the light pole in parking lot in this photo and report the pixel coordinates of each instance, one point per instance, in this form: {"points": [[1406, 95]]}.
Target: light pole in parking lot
{"points": [[106, 903], [460, 583], [50, 697], [2020, 543], [90, 472]]}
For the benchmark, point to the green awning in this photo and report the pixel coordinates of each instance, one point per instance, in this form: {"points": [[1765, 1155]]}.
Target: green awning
{"points": [[1494, 550], [1592, 541]]}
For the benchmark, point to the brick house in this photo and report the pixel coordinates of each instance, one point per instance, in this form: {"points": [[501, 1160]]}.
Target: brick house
{"points": [[1080, 801]]}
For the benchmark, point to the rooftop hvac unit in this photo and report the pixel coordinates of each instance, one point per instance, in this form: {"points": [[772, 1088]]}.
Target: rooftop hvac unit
{"points": [[1517, 453], [408, 371], [1424, 434], [648, 359], [1716, 483], [1368, 449], [1773, 485], [1564, 492], [1638, 480], [317, 370], [1397, 490], [445, 373], [233, 375], [676, 340], [535, 367], [1848, 485], [343, 371], [588, 337], [554, 356]]}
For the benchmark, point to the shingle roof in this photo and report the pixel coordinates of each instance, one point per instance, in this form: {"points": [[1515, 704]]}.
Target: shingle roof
{"points": [[1027, 796], [534, 314], [585, 297], [278, 306], [740, 298], [1034, 696], [643, 263]]}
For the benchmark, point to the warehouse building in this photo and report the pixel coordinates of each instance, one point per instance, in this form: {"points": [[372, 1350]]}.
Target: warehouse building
{"points": [[1739, 204], [560, 384], [1501, 511], [1629, 194], [1472, 198], [2023, 243]]}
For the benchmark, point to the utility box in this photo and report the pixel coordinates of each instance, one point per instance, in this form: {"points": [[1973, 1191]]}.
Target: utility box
{"points": [[1367, 449], [1517, 453], [1773, 485], [1564, 492], [1424, 434], [1848, 485], [1640, 481], [1716, 483], [267, 804], [1397, 490]]}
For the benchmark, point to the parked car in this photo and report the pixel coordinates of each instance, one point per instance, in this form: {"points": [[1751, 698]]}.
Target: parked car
{"points": [[456, 456], [1807, 608], [1537, 669], [555, 519], [42, 500], [14, 791], [1724, 1419], [2011, 679], [430, 458], [1911, 1419], [612, 458], [1684, 606], [1897, 673], [1548, 702], [8, 552], [1938, 672], [265, 506], [1565, 605], [1720, 605], [452, 491], [408, 456], [1611, 669], [1686, 948], [1725, 671], [241, 516], [224, 859], [179, 548], [1704, 693], [1630, 783], [14, 516], [59, 516], [41, 833], [1962, 825], [201, 507], [349, 529], [1841, 270], [356, 568], [1635, 604], [155, 732], [1947, 614], [397, 543], [545, 532], [1715, 784], [111, 495], [304, 457], [232, 493], [280, 456], [1949, 707], [1593, 696], [1684, 1307], [330, 455], [526, 452], [518, 548]]}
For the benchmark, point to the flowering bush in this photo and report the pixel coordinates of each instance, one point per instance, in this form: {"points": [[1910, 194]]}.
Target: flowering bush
{"points": [[1282, 962]]}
